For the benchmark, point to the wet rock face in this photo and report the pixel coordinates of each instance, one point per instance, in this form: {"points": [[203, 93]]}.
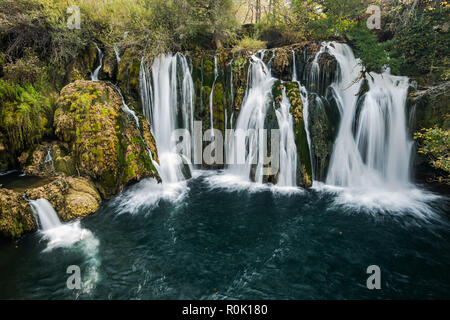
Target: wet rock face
{"points": [[104, 143], [16, 216], [323, 126], [81, 67]]}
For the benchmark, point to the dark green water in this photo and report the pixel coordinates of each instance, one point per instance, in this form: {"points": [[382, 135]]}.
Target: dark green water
{"points": [[219, 243]]}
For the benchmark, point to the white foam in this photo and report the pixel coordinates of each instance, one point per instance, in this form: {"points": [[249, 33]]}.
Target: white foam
{"points": [[396, 201], [148, 193], [74, 237], [230, 182]]}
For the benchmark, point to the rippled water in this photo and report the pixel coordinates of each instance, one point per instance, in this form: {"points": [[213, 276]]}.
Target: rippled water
{"points": [[216, 238]]}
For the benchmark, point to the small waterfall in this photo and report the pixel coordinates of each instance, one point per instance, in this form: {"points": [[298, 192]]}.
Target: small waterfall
{"points": [[166, 93], [372, 148], [211, 96], [47, 217], [69, 235], [117, 53], [48, 157], [127, 109], [313, 77], [288, 148], [250, 120], [94, 75]]}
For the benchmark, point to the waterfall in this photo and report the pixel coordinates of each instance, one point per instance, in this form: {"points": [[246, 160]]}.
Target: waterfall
{"points": [[211, 96], [117, 52], [305, 104], [247, 152], [66, 235], [288, 148], [47, 217], [372, 148], [48, 157], [167, 95], [94, 75], [127, 109]]}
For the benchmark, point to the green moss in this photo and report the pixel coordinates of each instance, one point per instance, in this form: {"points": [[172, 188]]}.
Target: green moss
{"points": [[25, 116]]}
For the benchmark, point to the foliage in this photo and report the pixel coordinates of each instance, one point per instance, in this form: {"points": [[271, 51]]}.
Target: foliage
{"points": [[435, 145], [422, 44], [248, 43], [373, 55], [24, 115]]}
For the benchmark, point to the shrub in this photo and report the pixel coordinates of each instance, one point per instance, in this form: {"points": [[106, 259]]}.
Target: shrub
{"points": [[248, 43], [434, 143]]}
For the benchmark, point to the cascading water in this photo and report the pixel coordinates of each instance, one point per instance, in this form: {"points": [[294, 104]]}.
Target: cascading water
{"points": [[127, 109], [162, 102], [117, 53], [379, 152], [211, 96], [48, 157], [288, 149], [251, 119], [67, 235], [94, 75], [305, 104], [47, 217]]}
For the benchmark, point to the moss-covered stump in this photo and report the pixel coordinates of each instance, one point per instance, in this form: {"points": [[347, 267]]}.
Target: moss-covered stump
{"points": [[105, 144], [16, 216], [72, 198]]}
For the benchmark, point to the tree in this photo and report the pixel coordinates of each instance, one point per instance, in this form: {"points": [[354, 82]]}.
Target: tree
{"points": [[217, 15]]}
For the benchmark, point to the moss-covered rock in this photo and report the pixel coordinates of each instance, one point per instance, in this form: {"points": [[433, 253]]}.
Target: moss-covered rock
{"points": [[104, 143], [16, 216], [72, 198], [304, 170]]}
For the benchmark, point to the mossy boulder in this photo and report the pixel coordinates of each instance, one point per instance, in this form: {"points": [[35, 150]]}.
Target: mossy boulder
{"points": [[72, 198], [16, 216], [104, 142], [304, 169]]}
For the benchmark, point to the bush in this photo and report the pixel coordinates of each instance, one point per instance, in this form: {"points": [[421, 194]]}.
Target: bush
{"points": [[434, 143], [250, 44], [25, 116]]}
